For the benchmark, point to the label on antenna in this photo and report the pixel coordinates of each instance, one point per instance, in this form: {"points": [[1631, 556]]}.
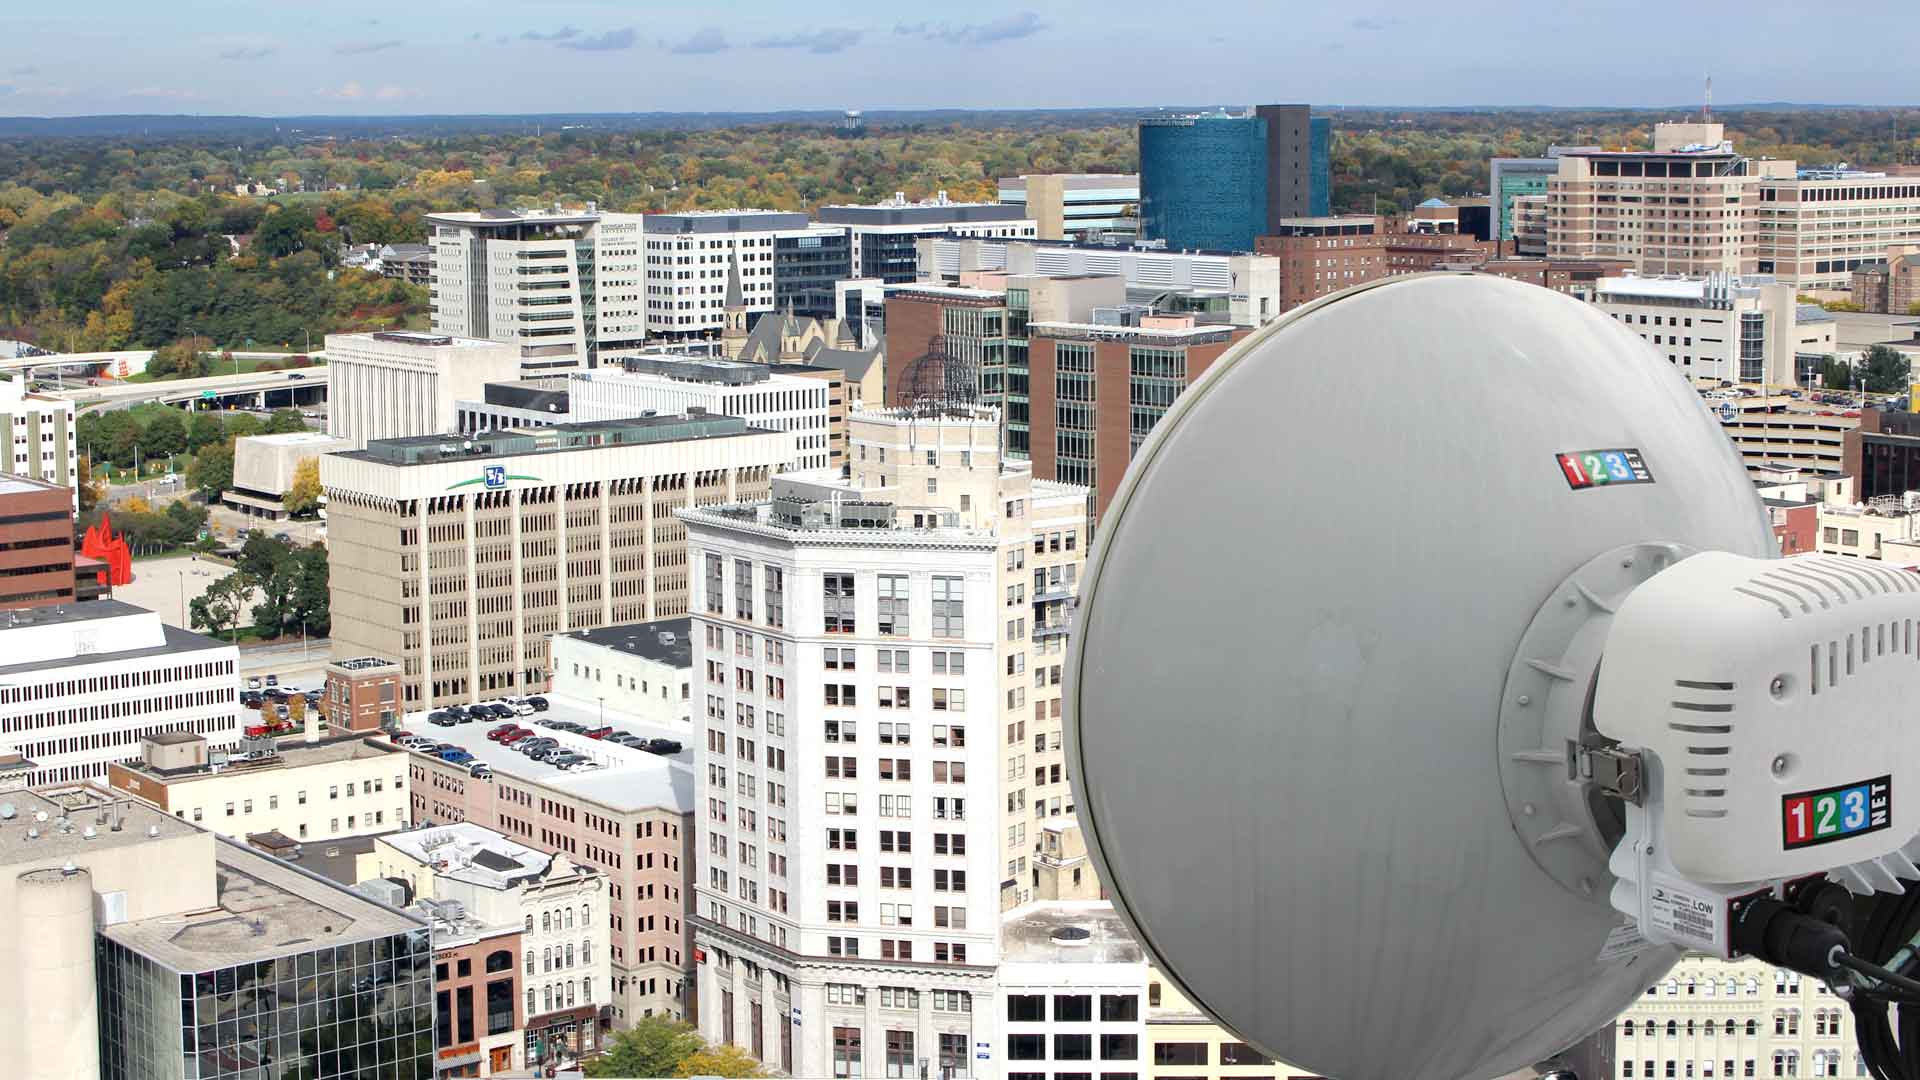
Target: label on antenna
{"points": [[1585, 469], [1678, 914]]}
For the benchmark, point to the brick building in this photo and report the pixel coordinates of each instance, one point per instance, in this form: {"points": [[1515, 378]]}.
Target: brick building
{"points": [[36, 543]]}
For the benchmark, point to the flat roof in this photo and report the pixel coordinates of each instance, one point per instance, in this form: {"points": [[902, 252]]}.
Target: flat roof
{"points": [[557, 439], [267, 909], [177, 640], [473, 853], [21, 485], [633, 779], [290, 754], [1032, 934], [80, 804], [666, 641]]}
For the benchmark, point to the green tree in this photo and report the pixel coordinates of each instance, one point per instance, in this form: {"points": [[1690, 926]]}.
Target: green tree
{"points": [[1836, 374], [115, 437], [723, 1060], [89, 489], [165, 434], [653, 1046], [303, 494], [1888, 370], [312, 600], [285, 422], [217, 610], [204, 430], [211, 471], [239, 425]]}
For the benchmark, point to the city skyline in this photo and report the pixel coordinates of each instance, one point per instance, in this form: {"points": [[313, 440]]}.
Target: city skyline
{"points": [[361, 58]]}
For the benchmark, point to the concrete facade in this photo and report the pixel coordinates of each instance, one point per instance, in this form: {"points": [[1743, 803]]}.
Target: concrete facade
{"points": [[753, 392], [1817, 226], [36, 543], [1076, 206], [1716, 327], [41, 437], [459, 563], [400, 385]]}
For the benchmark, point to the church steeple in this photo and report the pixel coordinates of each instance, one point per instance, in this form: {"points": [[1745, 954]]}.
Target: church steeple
{"points": [[734, 336]]}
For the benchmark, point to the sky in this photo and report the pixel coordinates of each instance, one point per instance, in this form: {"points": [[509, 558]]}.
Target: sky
{"points": [[355, 57]]}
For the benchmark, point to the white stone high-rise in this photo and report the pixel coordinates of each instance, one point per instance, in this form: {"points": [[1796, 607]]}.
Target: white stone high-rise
{"points": [[869, 689]]}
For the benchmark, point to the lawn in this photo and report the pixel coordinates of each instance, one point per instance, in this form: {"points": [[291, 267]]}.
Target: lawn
{"points": [[221, 367]]}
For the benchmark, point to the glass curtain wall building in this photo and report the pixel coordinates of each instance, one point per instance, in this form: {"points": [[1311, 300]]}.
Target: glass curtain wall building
{"points": [[1203, 180], [1320, 166]]}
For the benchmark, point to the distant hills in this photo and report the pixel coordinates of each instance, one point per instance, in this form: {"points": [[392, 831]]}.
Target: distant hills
{"points": [[162, 126]]}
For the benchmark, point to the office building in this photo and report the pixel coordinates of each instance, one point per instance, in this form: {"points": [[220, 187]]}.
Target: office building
{"points": [[84, 684], [1882, 454], [264, 468], [395, 384], [1511, 178], [1076, 206], [1732, 1019], [1687, 206], [560, 287], [411, 263], [41, 435], [1075, 985], [1243, 289], [1215, 181], [1321, 256], [665, 384], [227, 964], [1183, 1041], [36, 543], [888, 614], [1527, 216], [557, 907], [1718, 327], [1578, 278], [1890, 285], [1098, 391], [972, 339], [627, 820], [644, 669], [884, 235], [1816, 226], [476, 987], [778, 258], [459, 557], [307, 791], [1203, 180]]}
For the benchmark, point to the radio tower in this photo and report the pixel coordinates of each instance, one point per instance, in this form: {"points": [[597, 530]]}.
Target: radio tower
{"points": [[1706, 109]]}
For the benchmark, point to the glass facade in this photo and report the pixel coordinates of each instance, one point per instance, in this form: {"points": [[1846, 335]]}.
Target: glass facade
{"points": [[1073, 412], [892, 257], [804, 270], [1203, 181], [1320, 165], [1155, 376], [363, 1010]]}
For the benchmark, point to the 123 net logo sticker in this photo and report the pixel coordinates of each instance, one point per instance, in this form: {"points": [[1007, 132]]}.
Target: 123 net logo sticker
{"points": [[1836, 813]]}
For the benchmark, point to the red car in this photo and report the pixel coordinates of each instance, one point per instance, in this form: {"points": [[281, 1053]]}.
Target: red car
{"points": [[515, 736], [496, 733], [598, 732]]}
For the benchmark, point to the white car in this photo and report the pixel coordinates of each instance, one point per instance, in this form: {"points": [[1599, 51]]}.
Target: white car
{"points": [[521, 708], [253, 682]]}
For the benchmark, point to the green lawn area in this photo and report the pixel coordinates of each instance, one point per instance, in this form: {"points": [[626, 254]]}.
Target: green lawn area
{"points": [[245, 364]]}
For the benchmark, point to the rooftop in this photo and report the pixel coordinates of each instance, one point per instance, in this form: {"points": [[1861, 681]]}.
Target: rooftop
{"points": [[294, 438], [632, 780], [267, 909], [1032, 934], [475, 854], [80, 807], [21, 485], [666, 641], [590, 435], [419, 339], [290, 754], [168, 641]]}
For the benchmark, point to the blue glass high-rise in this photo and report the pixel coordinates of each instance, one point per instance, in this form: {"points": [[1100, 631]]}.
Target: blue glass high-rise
{"points": [[1203, 181], [1320, 167]]}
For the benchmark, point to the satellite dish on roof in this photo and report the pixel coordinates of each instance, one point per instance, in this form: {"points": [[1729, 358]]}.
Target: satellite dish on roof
{"points": [[1322, 754]]}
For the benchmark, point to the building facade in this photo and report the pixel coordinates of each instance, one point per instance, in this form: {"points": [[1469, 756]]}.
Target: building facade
{"points": [[1687, 206], [884, 236], [687, 258], [459, 557], [1511, 178], [1247, 284], [1890, 285], [1298, 147], [559, 286], [399, 384], [36, 543], [1715, 328], [308, 791], [886, 614], [1817, 226], [1076, 206], [755, 393], [264, 467], [1203, 180], [1098, 391], [1717, 1019], [646, 668], [628, 820], [84, 685], [41, 437]]}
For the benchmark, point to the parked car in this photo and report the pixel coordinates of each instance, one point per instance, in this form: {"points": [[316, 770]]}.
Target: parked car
{"points": [[539, 703], [515, 736], [503, 711], [253, 682], [479, 770], [294, 376], [455, 755], [522, 708], [663, 746], [624, 739], [598, 733], [440, 718], [568, 725], [494, 733], [566, 759], [531, 747], [273, 680]]}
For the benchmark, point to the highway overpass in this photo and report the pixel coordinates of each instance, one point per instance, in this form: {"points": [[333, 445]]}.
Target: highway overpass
{"points": [[268, 389]]}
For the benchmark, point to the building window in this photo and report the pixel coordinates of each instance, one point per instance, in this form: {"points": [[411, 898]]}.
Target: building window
{"points": [[900, 1063], [837, 603], [846, 1051], [1181, 1053], [1026, 1008], [949, 614], [1026, 1047], [893, 606], [775, 597], [743, 590], [1119, 1008], [716, 596], [1123, 1048]]}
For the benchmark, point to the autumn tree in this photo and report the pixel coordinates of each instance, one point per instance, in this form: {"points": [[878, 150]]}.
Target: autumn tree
{"points": [[303, 494], [724, 1059], [653, 1046]]}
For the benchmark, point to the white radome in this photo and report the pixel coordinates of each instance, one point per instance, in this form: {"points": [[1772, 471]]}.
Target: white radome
{"points": [[1285, 696]]}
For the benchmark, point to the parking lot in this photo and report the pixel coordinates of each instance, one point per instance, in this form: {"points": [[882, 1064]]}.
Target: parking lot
{"points": [[626, 774]]}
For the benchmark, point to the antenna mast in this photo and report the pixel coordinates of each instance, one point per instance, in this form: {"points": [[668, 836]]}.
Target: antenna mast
{"points": [[1706, 109]]}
